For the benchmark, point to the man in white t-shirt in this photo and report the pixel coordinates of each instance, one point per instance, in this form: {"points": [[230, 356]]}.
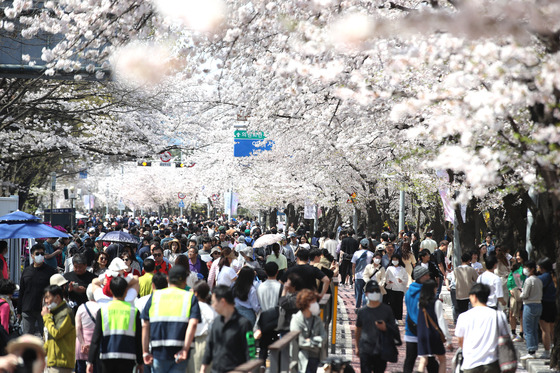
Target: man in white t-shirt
{"points": [[360, 260], [331, 244], [428, 243], [494, 282], [478, 330]]}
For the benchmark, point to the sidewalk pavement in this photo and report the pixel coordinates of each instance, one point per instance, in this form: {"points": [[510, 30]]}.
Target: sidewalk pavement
{"points": [[346, 325]]}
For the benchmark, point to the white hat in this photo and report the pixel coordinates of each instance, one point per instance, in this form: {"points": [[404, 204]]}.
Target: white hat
{"points": [[117, 264], [58, 279], [240, 247], [91, 229]]}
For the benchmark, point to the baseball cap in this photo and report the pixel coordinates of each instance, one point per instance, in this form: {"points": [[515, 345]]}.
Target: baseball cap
{"points": [[215, 249], [364, 242], [91, 229], [372, 286], [58, 279]]}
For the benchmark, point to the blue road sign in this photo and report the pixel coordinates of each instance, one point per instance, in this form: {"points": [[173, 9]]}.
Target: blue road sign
{"points": [[181, 203], [246, 143]]}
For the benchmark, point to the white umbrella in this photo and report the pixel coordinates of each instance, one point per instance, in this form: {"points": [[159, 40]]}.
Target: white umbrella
{"points": [[267, 239]]}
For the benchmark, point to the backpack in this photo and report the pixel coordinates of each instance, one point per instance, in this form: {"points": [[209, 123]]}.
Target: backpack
{"points": [[361, 263]]}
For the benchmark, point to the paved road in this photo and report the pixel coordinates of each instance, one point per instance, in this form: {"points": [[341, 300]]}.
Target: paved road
{"points": [[346, 329]]}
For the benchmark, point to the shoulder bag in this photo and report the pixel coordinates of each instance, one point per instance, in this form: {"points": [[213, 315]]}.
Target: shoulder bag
{"points": [[507, 355]]}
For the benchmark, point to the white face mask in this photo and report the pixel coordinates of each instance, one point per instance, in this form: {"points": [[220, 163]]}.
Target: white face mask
{"points": [[377, 260], [374, 297], [395, 263], [314, 308], [39, 259], [52, 305], [526, 272]]}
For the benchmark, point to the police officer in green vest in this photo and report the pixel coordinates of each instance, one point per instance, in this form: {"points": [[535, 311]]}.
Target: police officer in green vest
{"points": [[117, 337], [170, 319]]}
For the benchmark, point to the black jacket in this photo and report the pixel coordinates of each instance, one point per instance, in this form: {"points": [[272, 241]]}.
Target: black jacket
{"points": [[33, 282]]}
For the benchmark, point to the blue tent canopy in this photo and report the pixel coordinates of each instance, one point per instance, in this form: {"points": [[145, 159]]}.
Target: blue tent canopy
{"points": [[18, 216], [19, 224]]}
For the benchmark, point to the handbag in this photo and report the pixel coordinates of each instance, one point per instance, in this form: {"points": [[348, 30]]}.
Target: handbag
{"points": [[457, 361], [507, 354], [434, 325]]}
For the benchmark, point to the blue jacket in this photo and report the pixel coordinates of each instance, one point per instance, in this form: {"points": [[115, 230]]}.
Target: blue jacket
{"points": [[411, 300]]}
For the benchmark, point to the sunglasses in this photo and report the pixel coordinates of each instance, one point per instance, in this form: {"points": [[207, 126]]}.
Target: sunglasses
{"points": [[103, 258], [39, 253], [157, 255]]}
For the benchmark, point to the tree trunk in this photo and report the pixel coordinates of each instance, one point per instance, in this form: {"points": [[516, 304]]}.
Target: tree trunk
{"points": [[467, 229]]}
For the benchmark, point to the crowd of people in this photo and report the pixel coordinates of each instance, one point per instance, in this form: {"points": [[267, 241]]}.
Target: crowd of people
{"points": [[404, 267], [203, 296]]}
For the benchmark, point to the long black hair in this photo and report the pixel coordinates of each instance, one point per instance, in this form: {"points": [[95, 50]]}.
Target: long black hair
{"points": [[427, 294], [243, 284], [524, 255]]}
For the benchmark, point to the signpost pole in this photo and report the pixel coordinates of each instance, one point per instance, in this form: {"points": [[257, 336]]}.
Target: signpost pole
{"points": [[53, 188]]}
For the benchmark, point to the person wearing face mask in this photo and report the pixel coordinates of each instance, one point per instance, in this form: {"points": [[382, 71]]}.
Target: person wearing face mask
{"points": [[312, 331], [359, 261], [34, 280], [532, 308], [60, 339], [376, 332], [397, 282], [375, 271]]}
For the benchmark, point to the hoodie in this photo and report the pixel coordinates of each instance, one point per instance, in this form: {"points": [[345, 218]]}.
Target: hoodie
{"points": [[411, 300]]}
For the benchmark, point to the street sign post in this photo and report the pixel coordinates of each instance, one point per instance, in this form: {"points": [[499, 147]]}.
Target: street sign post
{"points": [[121, 206], [181, 205]]}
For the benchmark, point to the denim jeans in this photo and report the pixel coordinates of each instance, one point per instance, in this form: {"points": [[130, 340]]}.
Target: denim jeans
{"points": [[169, 366], [359, 291], [531, 315]]}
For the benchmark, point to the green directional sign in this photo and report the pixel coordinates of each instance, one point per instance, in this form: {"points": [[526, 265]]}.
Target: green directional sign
{"points": [[246, 135]]}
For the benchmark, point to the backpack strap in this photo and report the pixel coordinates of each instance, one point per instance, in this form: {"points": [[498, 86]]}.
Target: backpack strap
{"points": [[89, 313]]}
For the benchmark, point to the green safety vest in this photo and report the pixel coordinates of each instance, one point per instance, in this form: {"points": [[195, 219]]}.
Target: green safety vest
{"points": [[118, 320], [169, 317]]}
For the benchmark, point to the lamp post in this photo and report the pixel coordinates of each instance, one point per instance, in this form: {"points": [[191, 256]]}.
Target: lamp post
{"points": [[107, 201], [53, 188], [72, 212]]}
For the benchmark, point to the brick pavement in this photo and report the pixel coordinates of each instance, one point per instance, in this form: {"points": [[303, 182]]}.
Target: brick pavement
{"points": [[346, 327]]}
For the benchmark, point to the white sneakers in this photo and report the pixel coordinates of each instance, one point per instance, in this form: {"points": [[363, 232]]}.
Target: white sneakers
{"points": [[527, 357], [545, 355]]}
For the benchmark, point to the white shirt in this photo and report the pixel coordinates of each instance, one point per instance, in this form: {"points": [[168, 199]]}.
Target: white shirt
{"points": [[208, 315], [268, 294], [331, 246], [479, 331], [226, 276], [140, 303], [356, 257], [429, 244], [394, 274], [496, 289], [477, 266]]}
